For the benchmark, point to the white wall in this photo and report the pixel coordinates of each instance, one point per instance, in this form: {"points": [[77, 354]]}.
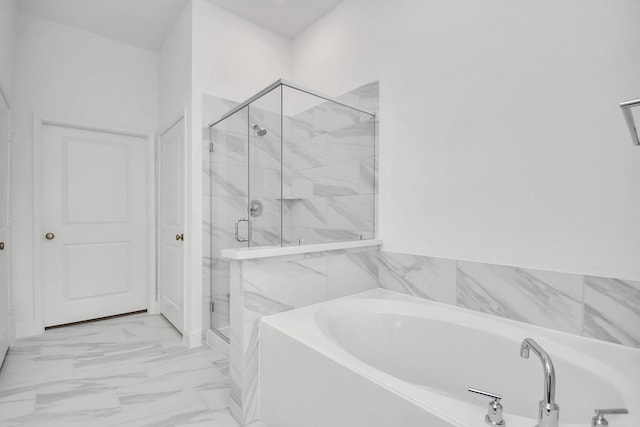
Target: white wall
{"points": [[174, 90], [8, 13], [232, 58], [80, 76], [502, 140]]}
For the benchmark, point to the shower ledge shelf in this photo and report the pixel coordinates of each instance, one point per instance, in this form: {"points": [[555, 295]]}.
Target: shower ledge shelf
{"points": [[275, 251]]}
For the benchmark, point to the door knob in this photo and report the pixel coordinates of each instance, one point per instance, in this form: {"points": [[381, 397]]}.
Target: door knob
{"points": [[179, 236], [49, 236], [1, 246]]}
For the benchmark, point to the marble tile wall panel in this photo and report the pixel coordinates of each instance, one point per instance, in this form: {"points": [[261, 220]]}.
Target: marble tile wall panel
{"points": [[425, 277], [301, 184], [612, 310], [350, 212], [276, 287], [273, 285], [352, 272], [516, 294], [597, 307], [228, 148], [350, 143], [338, 179]]}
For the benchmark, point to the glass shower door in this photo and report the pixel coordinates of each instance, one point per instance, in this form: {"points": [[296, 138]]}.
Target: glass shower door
{"points": [[228, 190], [264, 204]]}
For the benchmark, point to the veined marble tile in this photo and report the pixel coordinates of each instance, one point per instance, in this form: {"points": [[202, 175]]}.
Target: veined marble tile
{"points": [[309, 153], [228, 148], [282, 286], [368, 175], [295, 129], [350, 212], [250, 377], [366, 96], [302, 183], [330, 116], [323, 234], [351, 143], [612, 310], [421, 276], [311, 212], [128, 371], [352, 273], [18, 404], [516, 294], [338, 179], [226, 180]]}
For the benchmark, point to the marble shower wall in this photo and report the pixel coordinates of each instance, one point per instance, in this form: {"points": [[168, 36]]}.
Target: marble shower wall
{"points": [[596, 307], [329, 161], [272, 285]]}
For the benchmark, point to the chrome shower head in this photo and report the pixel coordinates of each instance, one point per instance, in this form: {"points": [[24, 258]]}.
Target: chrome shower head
{"points": [[259, 129]]}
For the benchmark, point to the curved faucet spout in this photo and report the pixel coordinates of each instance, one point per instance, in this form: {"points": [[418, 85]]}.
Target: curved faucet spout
{"points": [[548, 415], [547, 365]]}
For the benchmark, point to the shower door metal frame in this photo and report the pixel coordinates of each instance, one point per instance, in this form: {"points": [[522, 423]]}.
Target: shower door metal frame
{"points": [[287, 83]]}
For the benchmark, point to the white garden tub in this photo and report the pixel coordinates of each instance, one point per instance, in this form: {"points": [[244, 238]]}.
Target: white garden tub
{"points": [[383, 359]]}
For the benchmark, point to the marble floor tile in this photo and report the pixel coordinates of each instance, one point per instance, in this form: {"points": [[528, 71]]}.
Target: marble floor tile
{"points": [[129, 371]]}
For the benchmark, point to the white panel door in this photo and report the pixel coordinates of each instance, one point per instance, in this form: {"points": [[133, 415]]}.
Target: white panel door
{"points": [[4, 232], [171, 225], [94, 254]]}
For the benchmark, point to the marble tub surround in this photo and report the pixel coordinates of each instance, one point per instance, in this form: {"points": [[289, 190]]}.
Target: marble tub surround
{"points": [[129, 371], [596, 307], [269, 285], [612, 310]]}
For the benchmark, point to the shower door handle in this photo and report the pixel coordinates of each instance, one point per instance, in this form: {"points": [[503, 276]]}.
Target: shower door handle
{"points": [[242, 239]]}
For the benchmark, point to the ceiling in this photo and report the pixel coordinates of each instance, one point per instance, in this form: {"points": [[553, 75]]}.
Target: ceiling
{"points": [[285, 17], [143, 23], [146, 23]]}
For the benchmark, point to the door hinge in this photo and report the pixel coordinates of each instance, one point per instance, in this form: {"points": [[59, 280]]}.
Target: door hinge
{"points": [[9, 308], [211, 147], [9, 221], [158, 154], [212, 306], [10, 135]]}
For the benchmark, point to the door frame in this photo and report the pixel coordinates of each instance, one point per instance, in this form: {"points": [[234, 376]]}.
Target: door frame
{"points": [[5, 111], [39, 121], [182, 116]]}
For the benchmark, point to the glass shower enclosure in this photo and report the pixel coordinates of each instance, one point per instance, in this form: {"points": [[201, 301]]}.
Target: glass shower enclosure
{"points": [[289, 166]]}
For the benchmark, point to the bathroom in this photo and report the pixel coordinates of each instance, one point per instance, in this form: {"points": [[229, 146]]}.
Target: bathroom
{"points": [[505, 173]]}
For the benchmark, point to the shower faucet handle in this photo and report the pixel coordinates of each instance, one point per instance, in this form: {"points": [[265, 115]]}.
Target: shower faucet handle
{"points": [[494, 417], [600, 420]]}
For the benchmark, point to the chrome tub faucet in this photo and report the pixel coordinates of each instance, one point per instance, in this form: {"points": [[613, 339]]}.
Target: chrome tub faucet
{"points": [[548, 411]]}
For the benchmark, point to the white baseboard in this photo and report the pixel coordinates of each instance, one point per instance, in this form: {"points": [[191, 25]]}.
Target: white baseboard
{"points": [[29, 330], [192, 339], [217, 343]]}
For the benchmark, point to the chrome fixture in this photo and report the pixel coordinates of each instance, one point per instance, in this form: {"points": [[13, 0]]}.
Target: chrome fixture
{"points": [[255, 208], [600, 420], [243, 239], [287, 83], [494, 417], [49, 236], [628, 116], [548, 410], [259, 130]]}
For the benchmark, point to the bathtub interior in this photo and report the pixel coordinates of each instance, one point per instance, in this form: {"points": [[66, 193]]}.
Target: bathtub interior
{"points": [[447, 358]]}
